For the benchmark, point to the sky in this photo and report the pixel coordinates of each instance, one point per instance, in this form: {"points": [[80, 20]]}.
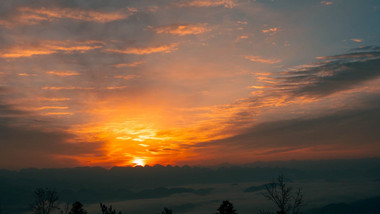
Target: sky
{"points": [[197, 82]]}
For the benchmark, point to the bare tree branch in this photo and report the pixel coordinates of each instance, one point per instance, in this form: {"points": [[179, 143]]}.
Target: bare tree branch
{"points": [[45, 201], [283, 198]]}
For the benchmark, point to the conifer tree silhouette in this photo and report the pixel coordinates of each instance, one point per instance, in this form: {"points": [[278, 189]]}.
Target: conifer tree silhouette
{"points": [[108, 210], [226, 208], [77, 208], [167, 211]]}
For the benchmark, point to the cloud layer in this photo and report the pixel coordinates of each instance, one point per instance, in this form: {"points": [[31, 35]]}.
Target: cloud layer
{"points": [[180, 82]]}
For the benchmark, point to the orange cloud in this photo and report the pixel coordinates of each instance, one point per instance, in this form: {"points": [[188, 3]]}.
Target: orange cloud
{"points": [[50, 107], [58, 114], [115, 87], [183, 30], [357, 40], [63, 73], [148, 50], [131, 64], [127, 77], [49, 47], [30, 16], [326, 3], [270, 30], [348, 56], [54, 98], [242, 22], [26, 74], [261, 60], [208, 3], [16, 52], [257, 87], [55, 88]]}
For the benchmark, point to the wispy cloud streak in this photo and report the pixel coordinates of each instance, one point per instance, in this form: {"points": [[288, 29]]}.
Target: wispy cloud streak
{"points": [[48, 47], [32, 16], [332, 74], [207, 3], [182, 30], [262, 60], [146, 50]]}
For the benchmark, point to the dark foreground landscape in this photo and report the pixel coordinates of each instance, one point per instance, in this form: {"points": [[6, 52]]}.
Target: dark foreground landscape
{"points": [[338, 186]]}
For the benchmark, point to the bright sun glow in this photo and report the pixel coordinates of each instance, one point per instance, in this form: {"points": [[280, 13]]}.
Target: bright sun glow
{"points": [[138, 162]]}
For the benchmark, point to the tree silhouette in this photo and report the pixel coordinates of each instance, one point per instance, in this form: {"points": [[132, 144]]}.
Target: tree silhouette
{"points": [[108, 210], [226, 208], [282, 196], [45, 201], [65, 208], [77, 208], [167, 211]]}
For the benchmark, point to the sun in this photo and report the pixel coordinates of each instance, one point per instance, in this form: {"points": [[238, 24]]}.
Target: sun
{"points": [[138, 162]]}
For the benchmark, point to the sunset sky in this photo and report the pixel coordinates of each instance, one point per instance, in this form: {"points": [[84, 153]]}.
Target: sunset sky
{"points": [[197, 82]]}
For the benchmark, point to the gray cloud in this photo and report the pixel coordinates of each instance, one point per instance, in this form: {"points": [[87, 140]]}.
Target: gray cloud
{"points": [[345, 129], [352, 126], [27, 141], [333, 74]]}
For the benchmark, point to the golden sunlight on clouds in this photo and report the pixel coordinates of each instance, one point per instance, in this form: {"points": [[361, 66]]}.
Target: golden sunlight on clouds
{"points": [[131, 64], [115, 87], [152, 133], [50, 107], [26, 74], [16, 52], [326, 3], [52, 111], [147, 50], [357, 40], [63, 73], [270, 30], [128, 141], [53, 99], [127, 77], [58, 114], [157, 84], [182, 30], [265, 78], [262, 60], [60, 88], [31, 16], [55, 88], [257, 87], [138, 162], [208, 3], [48, 47]]}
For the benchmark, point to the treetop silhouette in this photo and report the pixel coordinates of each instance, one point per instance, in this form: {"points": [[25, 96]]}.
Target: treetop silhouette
{"points": [[226, 208], [283, 197]]}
